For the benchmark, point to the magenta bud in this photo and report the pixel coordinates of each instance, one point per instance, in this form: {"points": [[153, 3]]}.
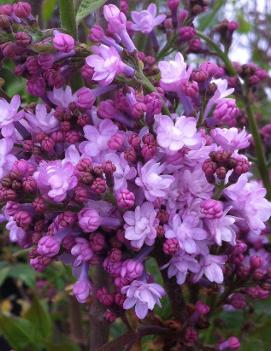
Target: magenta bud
{"points": [[131, 269], [23, 218], [256, 262], [89, 220], [6, 9], [96, 33], [85, 98], [22, 9], [173, 4], [202, 308], [23, 39], [171, 246], [186, 33], [63, 42], [48, 246], [110, 316], [211, 209], [125, 199], [116, 142], [232, 343], [97, 242]]}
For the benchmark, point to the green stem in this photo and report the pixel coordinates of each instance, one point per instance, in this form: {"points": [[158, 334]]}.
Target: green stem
{"points": [[259, 149], [67, 16]]}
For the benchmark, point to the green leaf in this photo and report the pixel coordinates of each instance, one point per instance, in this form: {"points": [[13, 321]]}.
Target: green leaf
{"points": [[208, 19], [24, 273], [64, 344], [47, 11], [19, 333], [244, 26], [86, 7], [4, 274], [38, 315]]}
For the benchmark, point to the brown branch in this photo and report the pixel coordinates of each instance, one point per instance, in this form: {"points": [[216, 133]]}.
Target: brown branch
{"points": [[99, 327]]}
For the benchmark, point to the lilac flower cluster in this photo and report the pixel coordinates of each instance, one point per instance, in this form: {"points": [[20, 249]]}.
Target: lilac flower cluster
{"points": [[147, 159]]}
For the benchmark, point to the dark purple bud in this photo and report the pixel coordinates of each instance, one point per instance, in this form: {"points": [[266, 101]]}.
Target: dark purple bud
{"points": [[22, 9], [23, 39]]}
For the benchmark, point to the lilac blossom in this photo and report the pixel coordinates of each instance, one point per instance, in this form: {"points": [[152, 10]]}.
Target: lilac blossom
{"points": [[62, 96], [117, 24], [42, 121], [222, 229], [173, 136], [248, 201], [220, 95], [211, 267], [154, 184], [144, 296], [123, 172], [188, 231], [16, 234], [107, 64], [98, 138], [55, 179], [194, 183], [6, 157], [231, 139], [141, 225], [174, 73], [9, 114], [146, 20], [180, 265], [82, 287]]}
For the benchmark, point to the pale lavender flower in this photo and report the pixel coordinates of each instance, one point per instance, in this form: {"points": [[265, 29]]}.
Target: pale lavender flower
{"points": [[174, 73], [6, 158], [146, 20], [16, 234], [173, 136], [42, 121], [141, 225], [247, 199], [222, 229], [55, 179], [98, 138], [83, 287], [82, 251], [211, 267], [62, 96], [180, 265], [144, 296], [188, 231], [9, 114], [123, 171], [72, 154], [107, 64], [231, 139], [221, 93], [154, 184], [117, 23], [193, 182]]}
